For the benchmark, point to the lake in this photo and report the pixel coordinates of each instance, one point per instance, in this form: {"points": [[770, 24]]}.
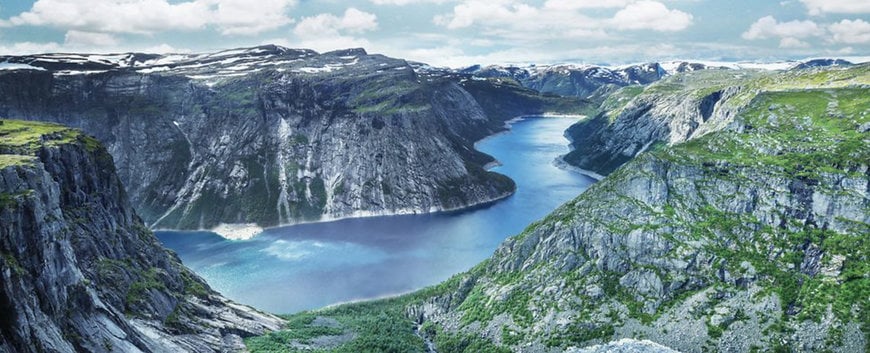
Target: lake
{"points": [[307, 266]]}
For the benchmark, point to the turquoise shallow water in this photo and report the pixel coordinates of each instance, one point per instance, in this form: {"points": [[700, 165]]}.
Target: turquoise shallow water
{"points": [[293, 268]]}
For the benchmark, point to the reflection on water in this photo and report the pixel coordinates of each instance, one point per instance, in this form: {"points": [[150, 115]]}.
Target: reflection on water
{"points": [[307, 266]]}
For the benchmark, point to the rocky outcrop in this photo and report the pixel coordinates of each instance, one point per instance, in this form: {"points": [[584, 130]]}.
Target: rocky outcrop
{"points": [[270, 135], [611, 138], [625, 346], [678, 109], [749, 237], [80, 271]]}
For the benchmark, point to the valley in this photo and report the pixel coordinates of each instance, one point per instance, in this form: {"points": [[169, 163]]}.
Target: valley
{"points": [[289, 269], [744, 232], [730, 215], [274, 136]]}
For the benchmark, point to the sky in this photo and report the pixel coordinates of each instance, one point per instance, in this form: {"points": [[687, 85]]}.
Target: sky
{"points": [[452, 33]]}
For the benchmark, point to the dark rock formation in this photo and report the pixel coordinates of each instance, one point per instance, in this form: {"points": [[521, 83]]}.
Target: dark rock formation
{"points": [[81, 272], [271, 135]]}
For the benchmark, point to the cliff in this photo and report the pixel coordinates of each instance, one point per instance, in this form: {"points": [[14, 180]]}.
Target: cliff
{"points": [[270, 135], [750, 236], [682, 107], [81, 272], [744, 233]]}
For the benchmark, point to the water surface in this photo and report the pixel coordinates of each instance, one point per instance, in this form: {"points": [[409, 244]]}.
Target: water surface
{"points": [[288, 269]]}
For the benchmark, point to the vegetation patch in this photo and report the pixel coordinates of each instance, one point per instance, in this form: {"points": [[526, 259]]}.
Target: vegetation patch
{"points": [[24, 137], [138, 291]]}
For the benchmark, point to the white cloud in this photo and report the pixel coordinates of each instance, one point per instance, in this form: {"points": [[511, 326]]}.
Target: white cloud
{"points": [[328, 32], [151, 16], [562, 18], [80, 38], [651, 15], [818, 7], [246, 17], [584, 4], [354, 21], [850, 31], [358, 21], [24, 48], [406, 2], [86, 42], [495, 12], [790, 33], [455, 56], [789, 42], [842, 51], [142, 16]]}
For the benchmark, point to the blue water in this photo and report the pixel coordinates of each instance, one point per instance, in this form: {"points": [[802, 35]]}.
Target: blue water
{"points": [[288, 269]]}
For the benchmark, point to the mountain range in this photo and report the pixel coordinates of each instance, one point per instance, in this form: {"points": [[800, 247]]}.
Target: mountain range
{"points": [[731, 216]]}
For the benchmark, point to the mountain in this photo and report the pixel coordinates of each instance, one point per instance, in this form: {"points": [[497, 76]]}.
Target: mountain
{"points": [[81, 272], [740, 227], [821, 63], [572, 80], [634, 119], [270, 135], [597, 81]]}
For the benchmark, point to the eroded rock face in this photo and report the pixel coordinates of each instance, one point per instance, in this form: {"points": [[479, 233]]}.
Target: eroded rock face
{"points": [[81, 273], [270, 135], [729, 241], [612, 138]]}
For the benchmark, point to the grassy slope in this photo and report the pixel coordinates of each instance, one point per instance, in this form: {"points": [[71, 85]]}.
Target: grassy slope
{"points": [[791, 130], [699, 84], [20, 139]]}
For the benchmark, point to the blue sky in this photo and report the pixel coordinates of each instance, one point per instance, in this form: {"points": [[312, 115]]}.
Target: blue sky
{"points": [[451, 32]]}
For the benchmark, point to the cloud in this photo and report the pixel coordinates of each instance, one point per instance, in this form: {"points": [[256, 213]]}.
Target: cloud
{"points": [[850, 31], [86, 42], [651, 15], [492, 12], [328, 32], [152, 16], [789, 42], [80, 38], [23, 48], [790, 33], [406, 2], [585, 4], [818, 7], [562, 18], [325, 24], [246, 18], [455, 56], [842, 51]]}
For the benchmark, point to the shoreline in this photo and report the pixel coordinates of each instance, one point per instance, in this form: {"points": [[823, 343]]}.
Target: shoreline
{"points": [[248, 231], [560, 163], [508, 123]]}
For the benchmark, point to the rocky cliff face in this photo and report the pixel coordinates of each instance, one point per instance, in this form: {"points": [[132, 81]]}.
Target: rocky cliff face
{"points": [[679, 108], [748, 233], [80, 271], [269, 135], [749, 237]]}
